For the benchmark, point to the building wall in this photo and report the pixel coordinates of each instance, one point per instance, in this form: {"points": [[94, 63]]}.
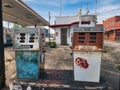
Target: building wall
{"points": [[87, 18], [118, 34], [86, 25], [117, 19], [111, 35], [117, 25], [111, 26], [112, 23], [70, 38], [65, 22], [57, 35], [66, 19], [105, 36], [69, 34]]}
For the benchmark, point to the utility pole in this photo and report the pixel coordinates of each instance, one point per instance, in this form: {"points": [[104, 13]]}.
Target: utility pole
{"points": [[87, 10], [2, 63], [60, 7], [8, 24], [49, 27], [96, 11], [96, 7]]}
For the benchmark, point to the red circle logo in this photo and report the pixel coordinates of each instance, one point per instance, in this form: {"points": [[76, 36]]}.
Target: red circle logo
{"points": [[81, 62]]}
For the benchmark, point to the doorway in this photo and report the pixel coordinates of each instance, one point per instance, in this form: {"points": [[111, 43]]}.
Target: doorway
{"points": [[63, 36]]}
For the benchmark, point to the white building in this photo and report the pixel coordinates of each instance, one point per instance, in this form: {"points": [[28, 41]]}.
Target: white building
{"points": [[64, 26]]}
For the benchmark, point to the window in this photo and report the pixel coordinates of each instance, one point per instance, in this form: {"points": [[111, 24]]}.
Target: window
{"points": [[92, 37], [81, 37], [85, 22]]}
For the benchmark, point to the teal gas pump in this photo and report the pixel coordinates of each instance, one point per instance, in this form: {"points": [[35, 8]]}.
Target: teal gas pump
{"points": [[27, 52]]}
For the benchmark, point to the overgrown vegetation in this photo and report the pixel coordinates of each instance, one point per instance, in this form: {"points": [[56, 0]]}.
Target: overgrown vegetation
{"points": [[52, 44], [18, 26], [118, 67], [116, 56], [106, 49]]}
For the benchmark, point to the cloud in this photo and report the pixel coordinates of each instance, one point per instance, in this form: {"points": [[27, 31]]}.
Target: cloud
{"points": [[108, 7], [105, 8], [71, 1], [105, 2], [44, 2], [109, 10]]}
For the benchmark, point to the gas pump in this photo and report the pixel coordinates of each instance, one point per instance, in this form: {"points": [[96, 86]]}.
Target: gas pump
{"points": [[28, 52], [87, 47]]}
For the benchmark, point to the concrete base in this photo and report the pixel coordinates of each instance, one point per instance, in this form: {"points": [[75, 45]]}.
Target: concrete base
{"points": [[55, 80]]}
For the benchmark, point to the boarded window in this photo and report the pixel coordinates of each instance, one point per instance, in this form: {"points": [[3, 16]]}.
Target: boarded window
{"points": [[85, 22], [92, 37]]}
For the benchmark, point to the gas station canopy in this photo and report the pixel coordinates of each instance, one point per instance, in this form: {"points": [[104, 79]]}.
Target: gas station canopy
{"points": [[18, 12]]}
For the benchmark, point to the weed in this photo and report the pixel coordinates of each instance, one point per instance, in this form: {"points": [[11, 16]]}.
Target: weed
{"points": [[118, 67]]}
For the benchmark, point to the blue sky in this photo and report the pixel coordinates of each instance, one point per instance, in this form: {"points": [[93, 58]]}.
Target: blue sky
{"points": [[105, 8]]}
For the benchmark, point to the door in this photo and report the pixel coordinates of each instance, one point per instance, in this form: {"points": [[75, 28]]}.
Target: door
{"points": [[63, 36], [118, 35]]}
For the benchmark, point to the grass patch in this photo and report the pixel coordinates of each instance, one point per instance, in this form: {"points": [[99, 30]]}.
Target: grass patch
{"points": [[115, 56], [106, 49], [118, 67]]}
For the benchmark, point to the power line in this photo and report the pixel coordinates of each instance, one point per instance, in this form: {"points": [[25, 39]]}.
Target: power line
{"points": [[109, 11]]}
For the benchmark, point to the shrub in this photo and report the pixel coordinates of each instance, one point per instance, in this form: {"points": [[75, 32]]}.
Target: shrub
{"points": [[52, 44]]}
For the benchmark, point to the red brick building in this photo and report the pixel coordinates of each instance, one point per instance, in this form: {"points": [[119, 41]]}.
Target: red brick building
{"points": [[112, 28]]}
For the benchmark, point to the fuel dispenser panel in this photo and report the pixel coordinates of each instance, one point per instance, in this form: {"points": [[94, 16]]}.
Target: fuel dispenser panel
{"points": [[27, 64], [88, 39], [26, 39]]}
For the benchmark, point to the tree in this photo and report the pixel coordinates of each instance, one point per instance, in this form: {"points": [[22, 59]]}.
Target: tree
{"points": [[16, 25], [23, 26], [19, 26]]}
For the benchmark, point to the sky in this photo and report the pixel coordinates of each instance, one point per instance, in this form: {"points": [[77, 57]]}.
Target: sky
{"points": [[103, 8]]}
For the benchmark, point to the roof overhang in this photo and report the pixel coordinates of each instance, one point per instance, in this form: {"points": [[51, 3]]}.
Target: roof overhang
{"points": [[74, 23], [18, 12], [63, 25]]}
